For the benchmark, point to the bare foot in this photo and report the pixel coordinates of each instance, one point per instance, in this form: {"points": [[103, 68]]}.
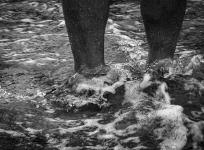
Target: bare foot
{"points": [[82, 92], [98, 85]]}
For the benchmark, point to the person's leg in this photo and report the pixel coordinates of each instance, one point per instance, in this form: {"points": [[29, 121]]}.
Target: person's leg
{"points": [[86, 21], [162, 21]]}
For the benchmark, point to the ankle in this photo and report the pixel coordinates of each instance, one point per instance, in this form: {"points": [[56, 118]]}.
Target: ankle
{"points": [[100, 70]]}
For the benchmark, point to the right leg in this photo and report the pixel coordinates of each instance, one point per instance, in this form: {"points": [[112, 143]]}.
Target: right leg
{"points": [[86, 21]]}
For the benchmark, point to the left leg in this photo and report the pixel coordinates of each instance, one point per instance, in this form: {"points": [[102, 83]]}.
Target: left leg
{"points": [[162, 21]]}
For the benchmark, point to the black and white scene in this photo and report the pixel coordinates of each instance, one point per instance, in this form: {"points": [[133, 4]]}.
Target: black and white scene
{"points": [[101, 74]]}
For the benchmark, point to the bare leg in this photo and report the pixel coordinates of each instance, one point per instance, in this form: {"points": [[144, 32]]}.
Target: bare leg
{"points": [[163, 21], [86, 21]]}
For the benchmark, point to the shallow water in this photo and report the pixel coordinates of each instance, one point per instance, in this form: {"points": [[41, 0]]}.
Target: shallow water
{"points": [[36, 60]]}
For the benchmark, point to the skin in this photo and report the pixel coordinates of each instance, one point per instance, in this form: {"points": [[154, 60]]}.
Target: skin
{"points": [[86, 21], [162, 20]]}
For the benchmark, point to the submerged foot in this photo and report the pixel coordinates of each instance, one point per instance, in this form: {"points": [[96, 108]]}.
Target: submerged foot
{"points": [[91, 90], [103, 81]]}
